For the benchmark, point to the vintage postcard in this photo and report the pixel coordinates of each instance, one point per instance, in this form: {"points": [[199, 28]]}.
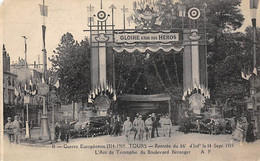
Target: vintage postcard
{"points": [[130, 80]]}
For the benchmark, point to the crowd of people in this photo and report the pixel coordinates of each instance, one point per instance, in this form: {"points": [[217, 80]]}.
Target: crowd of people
{"points": [[142, 128], [63, 130]]}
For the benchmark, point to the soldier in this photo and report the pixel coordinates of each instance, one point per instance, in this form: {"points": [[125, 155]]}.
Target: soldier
{"points": [[140, 127], [9, 128], [135, 126], [168, 125], [57, 131], [155, 125], [127, 127], [17, 126], [148, 124], [118, 124], [113, 125], [162, 124]]}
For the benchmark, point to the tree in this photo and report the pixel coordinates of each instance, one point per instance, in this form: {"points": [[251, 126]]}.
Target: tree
{"points": [[163, 71], [71, 62]]}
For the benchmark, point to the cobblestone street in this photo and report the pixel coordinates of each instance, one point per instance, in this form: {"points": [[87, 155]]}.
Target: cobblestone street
{"points": [[178, 147]]}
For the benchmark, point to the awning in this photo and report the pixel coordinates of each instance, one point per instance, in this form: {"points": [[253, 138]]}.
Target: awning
{"points": [[151, 47], [144, 98]]}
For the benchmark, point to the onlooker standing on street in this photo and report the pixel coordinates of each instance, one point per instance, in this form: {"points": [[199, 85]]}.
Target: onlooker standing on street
{"points": [[140, 127], [9, 129], [113, 125], [118, 124], [168, 126], [155, 125], [127, 127], [57, 131], [162, 124], [135, 122], [17, 126], [148, 124]]}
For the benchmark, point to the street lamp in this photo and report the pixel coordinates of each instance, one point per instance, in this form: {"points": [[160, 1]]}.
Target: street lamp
{"points": [[27, 101], [53, 99]]}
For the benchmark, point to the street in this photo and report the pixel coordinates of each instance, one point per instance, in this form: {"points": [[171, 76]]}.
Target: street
{"points": [[178, 147]]}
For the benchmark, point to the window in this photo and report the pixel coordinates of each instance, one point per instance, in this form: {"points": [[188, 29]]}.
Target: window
{"points": [[13, 82], [9, 81], [9, 97]]}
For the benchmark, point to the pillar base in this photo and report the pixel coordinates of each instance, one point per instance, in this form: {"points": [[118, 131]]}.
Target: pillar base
{"points": [[45, 130], [27, 131]]}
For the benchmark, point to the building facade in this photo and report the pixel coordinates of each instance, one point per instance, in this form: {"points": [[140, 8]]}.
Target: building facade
{"points": [[9, 83]]}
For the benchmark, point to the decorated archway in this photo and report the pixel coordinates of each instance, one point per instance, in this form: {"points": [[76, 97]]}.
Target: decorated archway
{"points": [[189, 37]]}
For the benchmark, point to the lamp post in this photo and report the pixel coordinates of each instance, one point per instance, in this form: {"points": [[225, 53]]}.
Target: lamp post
{"points": [[27, 129], [53, 100], [43, 90]]}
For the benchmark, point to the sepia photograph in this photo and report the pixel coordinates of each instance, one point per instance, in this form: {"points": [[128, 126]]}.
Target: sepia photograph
{"points": [[117, 80]]}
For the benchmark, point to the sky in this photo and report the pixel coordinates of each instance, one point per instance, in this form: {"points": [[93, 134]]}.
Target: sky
{"points": [[22, 18]]}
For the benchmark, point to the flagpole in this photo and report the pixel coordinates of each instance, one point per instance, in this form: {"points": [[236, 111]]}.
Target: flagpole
{"points": [[45, 130], [254, 50]]}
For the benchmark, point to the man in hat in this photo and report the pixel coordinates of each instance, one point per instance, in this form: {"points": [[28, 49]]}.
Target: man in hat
{"points": [[167, 125], [135, 122], [162, 124], [155, 126], [148, 124], [9, 128], [140, 127], [127, 127], [17, 129]]}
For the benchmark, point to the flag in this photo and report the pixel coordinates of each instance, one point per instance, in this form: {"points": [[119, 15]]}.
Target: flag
{"points": [[158, 21], [134, 5], [25, 87], [93, 94], [89, 98], [96, 91], [114, 97], [16, 92], [43, 80], [255, 71], [248, 76], [57, 84], [130, 19], [30, 83], [254, 4], [107, 86], [34, 92], [44, 10], [243, 75], [43, 35], [136, 13]]}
